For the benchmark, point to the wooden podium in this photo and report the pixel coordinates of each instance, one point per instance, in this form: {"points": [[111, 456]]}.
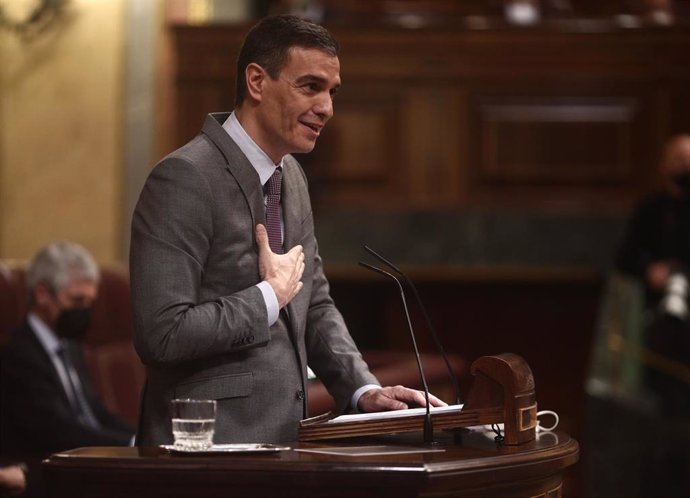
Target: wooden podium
{"points": [[526, 465], [502, 393], [477, 468]]}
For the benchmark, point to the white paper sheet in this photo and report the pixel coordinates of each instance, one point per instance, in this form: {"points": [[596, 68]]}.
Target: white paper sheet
{"points": [[354, 417]]}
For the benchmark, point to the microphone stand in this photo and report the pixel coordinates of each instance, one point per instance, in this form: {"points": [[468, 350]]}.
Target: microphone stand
{"points": [[434, 335], [428, 427]]}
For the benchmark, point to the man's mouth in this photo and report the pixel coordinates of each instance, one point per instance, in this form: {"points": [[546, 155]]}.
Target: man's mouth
{"points": [[316, 128]]}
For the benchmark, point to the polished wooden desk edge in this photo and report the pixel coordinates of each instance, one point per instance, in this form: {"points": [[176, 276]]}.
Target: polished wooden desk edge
{"points": [[477, 467], [562, 452]]}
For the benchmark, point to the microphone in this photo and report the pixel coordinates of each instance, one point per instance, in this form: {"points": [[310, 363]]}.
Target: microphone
{"points": [[434, 335], [428, 427]]}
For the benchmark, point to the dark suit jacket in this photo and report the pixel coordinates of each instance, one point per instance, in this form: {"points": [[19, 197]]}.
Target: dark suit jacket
{"points": [[37, 418], [200, 321]]}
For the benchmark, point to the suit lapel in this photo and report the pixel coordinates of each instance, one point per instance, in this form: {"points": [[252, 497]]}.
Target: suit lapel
{"points": [[291, 205], [292, 216], [41, 360], [238, 165]]}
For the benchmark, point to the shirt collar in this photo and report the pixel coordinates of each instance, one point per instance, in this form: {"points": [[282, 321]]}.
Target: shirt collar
{"points": [[257, 157], [45, 334]]}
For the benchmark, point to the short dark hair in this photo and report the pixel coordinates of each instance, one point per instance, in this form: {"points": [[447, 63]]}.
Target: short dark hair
{"points": [[268, 44]]}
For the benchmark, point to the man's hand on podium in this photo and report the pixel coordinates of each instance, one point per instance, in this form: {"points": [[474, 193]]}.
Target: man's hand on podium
{"points": [[394, 398]]}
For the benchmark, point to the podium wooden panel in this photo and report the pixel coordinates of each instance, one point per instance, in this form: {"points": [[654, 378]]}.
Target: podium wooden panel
{"points": [[477, 467], [502, 393]]}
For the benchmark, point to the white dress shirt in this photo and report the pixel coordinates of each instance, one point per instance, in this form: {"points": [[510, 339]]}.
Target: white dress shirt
{"points": [[264, 168]]}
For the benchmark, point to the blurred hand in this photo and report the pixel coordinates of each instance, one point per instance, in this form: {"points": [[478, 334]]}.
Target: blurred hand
{"points": [[282, 271], [12, 480], [394, 398], [657, 275]]}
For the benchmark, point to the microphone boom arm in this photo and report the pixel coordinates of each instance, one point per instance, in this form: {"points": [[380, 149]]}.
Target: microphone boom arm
{"points": [[428, 427], [434, 335]]}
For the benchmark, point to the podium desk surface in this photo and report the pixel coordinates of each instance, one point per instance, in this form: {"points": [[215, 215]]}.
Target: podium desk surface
{"points": [[475, 467]]}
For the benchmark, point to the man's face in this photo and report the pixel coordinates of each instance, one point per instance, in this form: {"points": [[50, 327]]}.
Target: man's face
{"points": [[297, 105], [78, 294], [678, 160], [675, 166]]}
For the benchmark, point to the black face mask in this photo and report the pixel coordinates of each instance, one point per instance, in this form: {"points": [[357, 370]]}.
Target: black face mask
{"points": [[682, 181], [73, 323]]}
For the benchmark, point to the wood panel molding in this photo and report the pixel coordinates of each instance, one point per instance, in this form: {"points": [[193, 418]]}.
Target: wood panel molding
{"points": [[556, 117], [555, 140]]}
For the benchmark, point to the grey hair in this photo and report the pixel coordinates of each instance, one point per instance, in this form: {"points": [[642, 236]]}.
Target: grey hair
{"points": [[60, 263]]}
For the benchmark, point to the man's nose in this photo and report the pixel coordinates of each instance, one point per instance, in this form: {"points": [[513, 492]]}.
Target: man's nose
{"points": [[324, 107]]}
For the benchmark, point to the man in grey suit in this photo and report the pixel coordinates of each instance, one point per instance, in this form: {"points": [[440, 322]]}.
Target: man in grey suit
{"points": [[225, 309]]}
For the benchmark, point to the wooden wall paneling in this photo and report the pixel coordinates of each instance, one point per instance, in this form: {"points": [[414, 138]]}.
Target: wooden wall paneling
{"points": [[358, 157], [679, 106], [196, 101], [580, 148], [555, 140], [464, 144], [432, 123], [544, 118], [205, 74]]}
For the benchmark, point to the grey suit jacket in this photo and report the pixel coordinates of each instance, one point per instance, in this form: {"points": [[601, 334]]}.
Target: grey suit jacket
{"points": [[200, 322]]}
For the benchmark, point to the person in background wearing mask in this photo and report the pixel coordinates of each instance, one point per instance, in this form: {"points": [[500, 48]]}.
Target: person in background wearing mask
{"points": [[656, 250], [657, 244], [48, 402]]}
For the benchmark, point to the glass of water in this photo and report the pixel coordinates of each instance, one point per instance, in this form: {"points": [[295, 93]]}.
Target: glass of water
{"points": [[193, 423]]}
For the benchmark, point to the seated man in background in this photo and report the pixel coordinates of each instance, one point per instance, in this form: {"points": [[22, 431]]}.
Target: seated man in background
{"points": [[48, 402]]}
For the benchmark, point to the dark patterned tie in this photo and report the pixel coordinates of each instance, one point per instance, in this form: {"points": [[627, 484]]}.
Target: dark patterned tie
{"points": [[273, 211]]}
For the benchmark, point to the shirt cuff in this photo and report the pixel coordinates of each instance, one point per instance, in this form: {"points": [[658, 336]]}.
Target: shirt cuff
{"points": [[358, 394], [271, 301]]}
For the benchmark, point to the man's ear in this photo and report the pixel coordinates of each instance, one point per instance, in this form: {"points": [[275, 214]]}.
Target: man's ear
{"points": [[255, 76], [42, 294]]}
